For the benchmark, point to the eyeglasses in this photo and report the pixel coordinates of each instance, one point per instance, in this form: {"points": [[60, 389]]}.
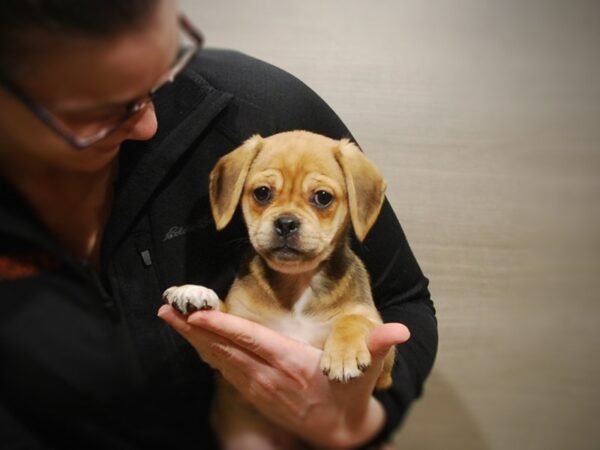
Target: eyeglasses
{"points": [[81, 132]]}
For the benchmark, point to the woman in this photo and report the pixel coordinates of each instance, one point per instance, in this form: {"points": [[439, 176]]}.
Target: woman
{"points": [[100, 211]]}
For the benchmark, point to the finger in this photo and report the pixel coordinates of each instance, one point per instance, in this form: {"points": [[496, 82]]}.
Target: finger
{"points": [[208, 345], [294, 358], [246, 370], [175, 319], [218, 351], [385, 336], [233, 361], [263, 341]]}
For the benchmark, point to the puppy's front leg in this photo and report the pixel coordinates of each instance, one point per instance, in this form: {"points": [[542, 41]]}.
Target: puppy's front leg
{"points": [[345, 354], [189, 298]]}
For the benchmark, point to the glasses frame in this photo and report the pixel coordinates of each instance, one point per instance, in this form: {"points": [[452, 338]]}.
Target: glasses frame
{"points": [[131, 109]]}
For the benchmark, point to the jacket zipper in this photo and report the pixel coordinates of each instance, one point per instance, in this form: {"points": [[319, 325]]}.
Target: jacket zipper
{"points": [[89, 273]]}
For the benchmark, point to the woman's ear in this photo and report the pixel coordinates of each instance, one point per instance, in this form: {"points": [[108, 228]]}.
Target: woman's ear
{"points": [[227, 178]]}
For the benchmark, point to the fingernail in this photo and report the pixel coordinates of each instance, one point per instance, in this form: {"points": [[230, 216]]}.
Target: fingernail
{"points": [[163, 310]]}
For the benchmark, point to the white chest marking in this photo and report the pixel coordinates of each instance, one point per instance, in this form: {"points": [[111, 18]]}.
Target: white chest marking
{"points": [[301, 327]]}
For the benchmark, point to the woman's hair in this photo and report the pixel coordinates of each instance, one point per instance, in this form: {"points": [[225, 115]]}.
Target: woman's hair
{"points": [[22, 21]]}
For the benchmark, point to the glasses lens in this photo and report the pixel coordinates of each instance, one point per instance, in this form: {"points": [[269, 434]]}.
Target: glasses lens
{"points": [[84, 128], [97, 123], [87, 124]]}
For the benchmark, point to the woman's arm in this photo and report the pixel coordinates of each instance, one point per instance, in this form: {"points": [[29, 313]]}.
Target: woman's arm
{"points": [[282, 379]]}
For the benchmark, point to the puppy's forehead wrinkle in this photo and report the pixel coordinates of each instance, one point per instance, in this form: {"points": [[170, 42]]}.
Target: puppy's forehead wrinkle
{"points": [[299, 157], [270, 176]]}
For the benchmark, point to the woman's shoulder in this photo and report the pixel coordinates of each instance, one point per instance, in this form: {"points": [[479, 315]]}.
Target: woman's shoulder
{"points": [[290, 101], [242, 75]]}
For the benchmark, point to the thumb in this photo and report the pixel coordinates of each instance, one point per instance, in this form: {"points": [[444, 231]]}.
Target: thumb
{"points": [[385, 336]]}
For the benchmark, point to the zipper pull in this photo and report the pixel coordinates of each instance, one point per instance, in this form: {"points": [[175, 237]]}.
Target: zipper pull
{"points": [[146, 258]]}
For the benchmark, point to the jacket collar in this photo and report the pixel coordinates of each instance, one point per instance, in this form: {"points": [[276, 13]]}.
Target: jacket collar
{"points": [[184, 110]]}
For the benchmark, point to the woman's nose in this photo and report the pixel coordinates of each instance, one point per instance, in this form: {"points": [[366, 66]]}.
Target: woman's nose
{"points": [[144, 125]]}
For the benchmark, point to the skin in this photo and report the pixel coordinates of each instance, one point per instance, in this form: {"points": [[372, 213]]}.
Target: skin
{"points": [[54, 177], [282, 379], [57, 180]]}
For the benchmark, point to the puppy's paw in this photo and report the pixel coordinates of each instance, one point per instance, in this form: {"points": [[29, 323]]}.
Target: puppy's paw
{"points": [[189, 298], [385, 379], [343, 361]]}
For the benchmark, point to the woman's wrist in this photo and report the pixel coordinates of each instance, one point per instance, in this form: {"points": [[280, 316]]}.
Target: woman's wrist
{"points": [[358, 430]]}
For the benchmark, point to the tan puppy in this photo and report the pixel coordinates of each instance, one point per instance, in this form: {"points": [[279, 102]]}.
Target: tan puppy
{"points": [[299, 194]]}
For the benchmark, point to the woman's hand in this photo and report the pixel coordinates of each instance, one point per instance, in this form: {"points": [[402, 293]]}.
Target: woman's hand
{"points": [[281, 377]]}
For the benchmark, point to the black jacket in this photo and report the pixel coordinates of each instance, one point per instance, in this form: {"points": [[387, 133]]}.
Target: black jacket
{"points": [[84, 361]]}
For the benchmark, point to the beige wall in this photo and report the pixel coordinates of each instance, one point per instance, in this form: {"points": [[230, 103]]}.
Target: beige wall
{"points": [[485, 118]]}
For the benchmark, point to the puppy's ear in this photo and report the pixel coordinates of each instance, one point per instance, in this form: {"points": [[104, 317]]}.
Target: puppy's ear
{"points": [[365, 187], [227, 180]]}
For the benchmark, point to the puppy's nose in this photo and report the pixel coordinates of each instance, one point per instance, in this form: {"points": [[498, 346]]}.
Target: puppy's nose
{"points": [[286, 225]]}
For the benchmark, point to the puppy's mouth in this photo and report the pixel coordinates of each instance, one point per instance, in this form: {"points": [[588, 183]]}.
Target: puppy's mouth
{"points": [[287, 252]]}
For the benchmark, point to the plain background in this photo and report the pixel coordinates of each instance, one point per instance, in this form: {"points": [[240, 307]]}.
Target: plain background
{"points": [[485, 119]]}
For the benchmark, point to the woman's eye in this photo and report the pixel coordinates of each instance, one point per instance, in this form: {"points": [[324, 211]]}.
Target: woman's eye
{"points": [[262, 194], [322, 199], [89, 117]]}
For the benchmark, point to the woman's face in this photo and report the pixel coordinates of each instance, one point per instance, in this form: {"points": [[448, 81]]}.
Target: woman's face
{"points": [[83, 78]]}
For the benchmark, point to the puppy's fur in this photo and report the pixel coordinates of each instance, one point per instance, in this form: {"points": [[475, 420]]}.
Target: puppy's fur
{"points": [[300, 193]]}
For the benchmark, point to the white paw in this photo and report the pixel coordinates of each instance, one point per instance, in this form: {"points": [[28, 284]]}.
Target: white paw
{"points": [[343, 363], [189, 298]]}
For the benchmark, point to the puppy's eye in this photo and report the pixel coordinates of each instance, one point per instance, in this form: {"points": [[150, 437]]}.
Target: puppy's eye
{"points": [[262, 194], [322, 199]]}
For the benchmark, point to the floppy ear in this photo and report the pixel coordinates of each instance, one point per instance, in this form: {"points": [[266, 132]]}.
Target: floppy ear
{"points": [[365, 187], [227, 178]]}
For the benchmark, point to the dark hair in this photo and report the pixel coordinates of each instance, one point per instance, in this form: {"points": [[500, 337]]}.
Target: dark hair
{"points": [[89, 18]]}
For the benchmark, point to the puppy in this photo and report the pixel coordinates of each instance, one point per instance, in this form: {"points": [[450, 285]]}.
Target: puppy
{"points": [[300, 194]]}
